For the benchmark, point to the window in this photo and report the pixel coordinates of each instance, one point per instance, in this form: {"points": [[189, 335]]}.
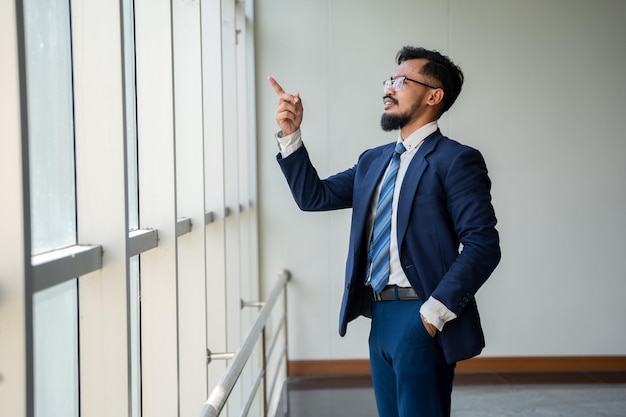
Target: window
{"points": [[138, 242], [130, 107], [52, 199]]}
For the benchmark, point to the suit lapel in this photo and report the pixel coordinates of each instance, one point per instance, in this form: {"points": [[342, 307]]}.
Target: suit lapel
{"points": [[411, 181], [370, 181], [374, 174]]}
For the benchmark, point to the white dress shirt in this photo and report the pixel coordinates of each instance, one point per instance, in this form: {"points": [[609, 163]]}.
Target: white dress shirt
{"points": [[432, 309]]}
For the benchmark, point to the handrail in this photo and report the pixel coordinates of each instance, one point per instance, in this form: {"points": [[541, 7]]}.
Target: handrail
{"points": [[218, 397]]}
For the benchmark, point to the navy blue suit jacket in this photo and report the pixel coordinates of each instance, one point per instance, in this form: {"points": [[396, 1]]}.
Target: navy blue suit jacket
{"points": [[444, 201]]}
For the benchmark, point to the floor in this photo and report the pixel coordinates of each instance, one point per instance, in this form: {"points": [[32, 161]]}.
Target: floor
{"points": [[575, 394]]}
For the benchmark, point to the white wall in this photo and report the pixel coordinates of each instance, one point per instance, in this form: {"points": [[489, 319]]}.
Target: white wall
{"points": [[544, 101]]}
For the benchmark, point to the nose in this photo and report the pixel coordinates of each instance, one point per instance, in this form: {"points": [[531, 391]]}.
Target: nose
{"points": [[389, 90]]}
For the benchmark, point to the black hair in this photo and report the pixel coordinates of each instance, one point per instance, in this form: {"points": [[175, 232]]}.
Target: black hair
{"points": [[439, 67]]}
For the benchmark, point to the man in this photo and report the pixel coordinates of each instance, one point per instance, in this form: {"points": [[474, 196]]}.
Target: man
{"points": [[422, 239]]}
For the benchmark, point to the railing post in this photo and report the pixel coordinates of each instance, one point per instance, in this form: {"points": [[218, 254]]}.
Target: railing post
{"points": [[285, 341], [264, 397]]}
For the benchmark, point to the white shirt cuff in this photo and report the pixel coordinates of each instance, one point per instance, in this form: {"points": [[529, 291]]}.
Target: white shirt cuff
{"points": [[436, 313], [288, 144]]}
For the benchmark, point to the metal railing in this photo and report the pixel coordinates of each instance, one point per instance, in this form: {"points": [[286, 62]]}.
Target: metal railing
{"points": [[219, 396]]}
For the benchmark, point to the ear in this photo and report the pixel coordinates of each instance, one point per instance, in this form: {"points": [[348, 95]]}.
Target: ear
{"points": [[435, 97]]}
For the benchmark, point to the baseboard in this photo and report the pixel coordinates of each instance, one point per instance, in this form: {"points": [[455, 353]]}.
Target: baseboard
{"points": [[545, 364], [479, 364], [329, 367]]}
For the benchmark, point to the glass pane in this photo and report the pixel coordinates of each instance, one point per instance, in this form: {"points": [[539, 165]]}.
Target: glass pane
{"points": [[133, 203], [131, 114], [135, 337], [55, 328], [50, 123], [53, 202]]}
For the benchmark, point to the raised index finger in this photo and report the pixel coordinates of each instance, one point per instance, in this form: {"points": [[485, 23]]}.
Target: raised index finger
{"points": [[279, 90]]}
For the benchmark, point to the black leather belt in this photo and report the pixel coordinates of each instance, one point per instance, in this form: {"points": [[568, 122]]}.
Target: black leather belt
{"points": [[393, 292]]}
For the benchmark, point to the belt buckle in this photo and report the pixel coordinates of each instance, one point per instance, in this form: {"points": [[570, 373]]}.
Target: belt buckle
{"points": [[376, 296]]}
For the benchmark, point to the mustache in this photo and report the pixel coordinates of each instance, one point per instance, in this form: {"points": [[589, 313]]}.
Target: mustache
{"points": [[393, 100]]}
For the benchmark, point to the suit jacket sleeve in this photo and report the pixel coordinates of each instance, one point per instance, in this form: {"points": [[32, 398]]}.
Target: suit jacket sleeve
{"points": [[309, 191], [471, 213]]}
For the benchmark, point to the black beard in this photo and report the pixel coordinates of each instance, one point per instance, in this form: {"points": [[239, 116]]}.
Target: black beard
{"points": [[389, 122]]}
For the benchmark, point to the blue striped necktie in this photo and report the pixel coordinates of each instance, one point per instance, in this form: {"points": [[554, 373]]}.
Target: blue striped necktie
{"points": [[378, 253]]}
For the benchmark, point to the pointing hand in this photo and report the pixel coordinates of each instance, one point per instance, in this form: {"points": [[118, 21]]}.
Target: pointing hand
{"points": [[289, 111]]}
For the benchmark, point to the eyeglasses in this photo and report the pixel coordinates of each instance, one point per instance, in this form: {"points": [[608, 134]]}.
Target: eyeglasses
{"points": [[398, 82]]}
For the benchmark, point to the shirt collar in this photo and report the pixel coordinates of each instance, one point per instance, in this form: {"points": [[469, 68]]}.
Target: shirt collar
{"points": [[416, 138]]}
